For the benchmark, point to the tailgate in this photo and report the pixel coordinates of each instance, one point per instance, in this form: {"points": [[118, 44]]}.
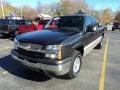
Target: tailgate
{"points": [[4, 28]]}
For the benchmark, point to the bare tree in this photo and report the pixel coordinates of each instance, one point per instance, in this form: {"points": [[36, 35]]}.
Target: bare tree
{"points": [[117, 17], [28, 12], [67, 7], [8, 8], [107, 15], [39, 7], [43, 8]]}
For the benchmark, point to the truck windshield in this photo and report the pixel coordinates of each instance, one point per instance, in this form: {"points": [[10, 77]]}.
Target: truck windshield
{"points": [[25, 22], [18, 22], [67, 23]]}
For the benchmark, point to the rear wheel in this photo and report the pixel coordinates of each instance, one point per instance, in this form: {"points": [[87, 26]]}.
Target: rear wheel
{"points": [[113, 29], [75, 65], [100, 45], [16, 33]]}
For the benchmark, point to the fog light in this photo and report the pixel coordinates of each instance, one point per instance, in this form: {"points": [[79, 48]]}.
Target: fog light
{"points": [[52, 56]]}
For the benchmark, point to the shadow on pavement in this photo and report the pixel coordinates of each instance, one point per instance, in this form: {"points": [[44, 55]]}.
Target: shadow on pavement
{"points": [[10, 65]]}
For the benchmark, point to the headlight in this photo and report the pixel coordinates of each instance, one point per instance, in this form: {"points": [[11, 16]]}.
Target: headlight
{"points": [[15, 43], [52, 56], [56, 49], [53, 47]]}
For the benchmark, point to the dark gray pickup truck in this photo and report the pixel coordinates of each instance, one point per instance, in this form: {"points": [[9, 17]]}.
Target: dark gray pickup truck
{"points": [[59, 48]]}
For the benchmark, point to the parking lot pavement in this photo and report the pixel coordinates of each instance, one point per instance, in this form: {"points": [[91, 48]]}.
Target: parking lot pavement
{"points": [[112, 81], [5, 44], [13, 76]]}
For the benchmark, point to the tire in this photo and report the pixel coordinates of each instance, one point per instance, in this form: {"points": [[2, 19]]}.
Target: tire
{"points": [[113, 29], [75, 70], [16, 33], [100, 45]]}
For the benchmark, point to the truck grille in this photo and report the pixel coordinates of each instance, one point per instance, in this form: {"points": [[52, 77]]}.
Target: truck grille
{"points": [[31, 54], [4, 27], [30, 47]]}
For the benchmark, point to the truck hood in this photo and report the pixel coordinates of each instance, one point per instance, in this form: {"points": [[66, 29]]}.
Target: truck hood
{"points": [[45, 37]]}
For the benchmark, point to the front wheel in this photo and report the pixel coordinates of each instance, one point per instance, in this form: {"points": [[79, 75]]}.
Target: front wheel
{"points": [[75, 65]]}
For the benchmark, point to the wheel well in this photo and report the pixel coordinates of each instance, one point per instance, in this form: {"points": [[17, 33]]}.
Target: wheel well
{"points": [[81, 49], [103, 34]]}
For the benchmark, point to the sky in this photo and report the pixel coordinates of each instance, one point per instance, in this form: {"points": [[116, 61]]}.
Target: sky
{"points": [[96, 4], [32, 3], [102, 4]]}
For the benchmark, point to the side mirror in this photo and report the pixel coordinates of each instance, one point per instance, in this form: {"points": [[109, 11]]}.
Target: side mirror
{"points": [[91, 29], [99, 24], [95, 28]]}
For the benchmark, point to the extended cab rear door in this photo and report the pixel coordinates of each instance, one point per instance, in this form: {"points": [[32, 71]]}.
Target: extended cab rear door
{"points": [[88, 34], [95, 29]]}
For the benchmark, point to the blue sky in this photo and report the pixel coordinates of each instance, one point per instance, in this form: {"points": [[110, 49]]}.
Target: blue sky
{"points": [[32, 3], [102, 4], [96, 4]]}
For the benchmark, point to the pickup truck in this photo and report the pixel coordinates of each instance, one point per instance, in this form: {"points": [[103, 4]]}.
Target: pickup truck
{"points": [[7, 26], [116, 25], [59, 48], [14, 31], [28, 26]]}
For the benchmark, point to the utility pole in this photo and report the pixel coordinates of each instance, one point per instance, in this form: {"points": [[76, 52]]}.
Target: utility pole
{"points": [[2, 9], [21, 12]]}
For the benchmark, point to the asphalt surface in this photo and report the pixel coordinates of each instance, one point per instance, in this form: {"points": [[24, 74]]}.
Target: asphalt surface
{"points": [[15, 77]]}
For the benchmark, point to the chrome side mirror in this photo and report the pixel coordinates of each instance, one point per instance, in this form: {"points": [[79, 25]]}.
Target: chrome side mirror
{"points": [[95, 28], [99, 24]]}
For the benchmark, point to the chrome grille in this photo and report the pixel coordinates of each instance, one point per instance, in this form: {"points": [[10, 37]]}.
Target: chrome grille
{"points": [[30, 47], [31, 53]]}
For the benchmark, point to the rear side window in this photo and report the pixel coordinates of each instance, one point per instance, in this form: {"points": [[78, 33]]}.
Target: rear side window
{"points": [[94, 20], [88, 21], [43, 22], [28, 22]]}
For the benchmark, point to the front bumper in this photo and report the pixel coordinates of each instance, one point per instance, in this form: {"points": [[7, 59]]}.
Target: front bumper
{"points": [[116, 27], [56, 67], [4, 32]]}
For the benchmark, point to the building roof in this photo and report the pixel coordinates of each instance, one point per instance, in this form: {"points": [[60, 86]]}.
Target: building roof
{"points": [[44, 16]]}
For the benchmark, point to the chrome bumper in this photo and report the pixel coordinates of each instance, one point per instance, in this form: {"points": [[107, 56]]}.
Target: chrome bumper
{"points": [[59, 69]]}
